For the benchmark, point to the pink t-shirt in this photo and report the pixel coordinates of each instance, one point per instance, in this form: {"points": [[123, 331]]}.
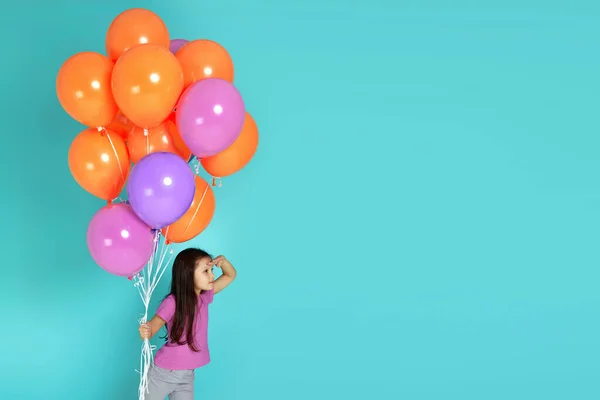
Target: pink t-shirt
{"points": [[174, 356]]}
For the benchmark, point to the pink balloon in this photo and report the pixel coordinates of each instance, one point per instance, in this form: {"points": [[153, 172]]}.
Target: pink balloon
{"points": [[119, 241], [210, 116]]}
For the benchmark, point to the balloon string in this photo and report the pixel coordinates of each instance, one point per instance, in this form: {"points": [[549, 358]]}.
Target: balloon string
{"points": [[197, 209], [146, 283], [115, 152]]}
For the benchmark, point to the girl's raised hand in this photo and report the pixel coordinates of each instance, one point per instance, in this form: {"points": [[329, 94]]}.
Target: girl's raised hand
{"points": [[228, 275], [218, 261]]}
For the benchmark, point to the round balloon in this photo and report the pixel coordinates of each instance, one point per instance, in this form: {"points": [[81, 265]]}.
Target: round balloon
{"points": [[146, 82], [210, 115], [99, 162], [118, 241], [84, 91], [160, 189], [133, 27], [201, 59], [176, 44]]}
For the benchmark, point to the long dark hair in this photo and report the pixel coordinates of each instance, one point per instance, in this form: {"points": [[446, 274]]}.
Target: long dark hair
{"points": [[186, 301]]}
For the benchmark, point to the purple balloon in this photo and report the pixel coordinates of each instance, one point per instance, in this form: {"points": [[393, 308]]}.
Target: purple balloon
{"points": [[176, 44], [161, 189], [210, 116], [118, 241]]}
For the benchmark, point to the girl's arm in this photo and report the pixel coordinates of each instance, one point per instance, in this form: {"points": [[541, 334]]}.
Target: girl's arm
{"points": [[149, 329], [228, 276]]}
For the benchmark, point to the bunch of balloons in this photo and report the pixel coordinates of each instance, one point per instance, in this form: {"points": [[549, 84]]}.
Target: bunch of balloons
{"points": [[151, 105]]}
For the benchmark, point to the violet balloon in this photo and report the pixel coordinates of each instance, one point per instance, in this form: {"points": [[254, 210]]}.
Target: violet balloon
{"points": [[176, 44], [210, 116], [160, 189], [118, 241]]}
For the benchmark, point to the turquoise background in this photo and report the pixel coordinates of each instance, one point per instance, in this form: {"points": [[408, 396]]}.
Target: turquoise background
{"points": [[420, 221]]}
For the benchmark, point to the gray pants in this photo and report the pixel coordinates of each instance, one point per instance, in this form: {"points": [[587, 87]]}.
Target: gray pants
{"points": [[177, 384]]}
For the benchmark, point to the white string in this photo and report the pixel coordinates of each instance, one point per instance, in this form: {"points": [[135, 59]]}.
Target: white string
{"points": [[146, 282]]}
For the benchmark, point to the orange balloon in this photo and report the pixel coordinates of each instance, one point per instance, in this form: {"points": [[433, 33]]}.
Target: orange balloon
{"points": [[196, 218], [143, 142], [84, 91], [236, 156], [99, 162], [202, 59], [121, 125], [147, 82], [132, 27]]}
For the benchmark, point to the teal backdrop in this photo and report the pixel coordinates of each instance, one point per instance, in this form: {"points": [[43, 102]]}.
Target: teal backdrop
{"points": [[421, 220]]}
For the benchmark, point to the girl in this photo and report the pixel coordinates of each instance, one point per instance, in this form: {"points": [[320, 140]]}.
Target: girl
{"points": [[185, 312]]}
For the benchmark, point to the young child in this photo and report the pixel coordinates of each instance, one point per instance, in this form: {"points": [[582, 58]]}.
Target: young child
{"points": [[185, 312]]}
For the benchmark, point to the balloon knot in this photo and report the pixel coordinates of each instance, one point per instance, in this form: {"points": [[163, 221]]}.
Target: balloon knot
{"points": [[130, 278], [214, 182]]}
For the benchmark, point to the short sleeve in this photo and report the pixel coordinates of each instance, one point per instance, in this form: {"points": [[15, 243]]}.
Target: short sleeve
{"points": [[207, 296], [166, 309]]}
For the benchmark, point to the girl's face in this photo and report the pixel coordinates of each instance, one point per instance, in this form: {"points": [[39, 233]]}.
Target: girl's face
{"points": [[203, 274]]}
